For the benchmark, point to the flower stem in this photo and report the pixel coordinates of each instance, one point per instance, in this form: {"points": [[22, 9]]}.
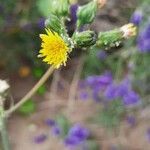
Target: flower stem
{"points": [[31, 92], [3, 130]]}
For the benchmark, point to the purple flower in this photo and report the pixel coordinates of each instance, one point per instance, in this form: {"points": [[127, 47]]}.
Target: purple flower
{"points": [[96, 96], [131, 120], [76, 135], [84, 95], [101, 55], [111, 92], [40, 138], [137, 17], [123, 88], [99, 81], [56, 130], [143, 40], [50, 122], [105, 79], [73, 10], [131, 99], [41, 23]]}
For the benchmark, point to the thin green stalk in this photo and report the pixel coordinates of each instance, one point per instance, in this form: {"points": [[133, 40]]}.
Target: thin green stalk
{"points": [[3, 130], [31, 92], [4, 135], [118, 72]]}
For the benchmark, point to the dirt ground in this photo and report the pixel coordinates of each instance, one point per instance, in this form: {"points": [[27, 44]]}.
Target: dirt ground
{"points": [[22, 130]]}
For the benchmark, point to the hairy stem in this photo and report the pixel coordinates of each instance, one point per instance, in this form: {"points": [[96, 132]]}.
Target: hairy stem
{"points": [[3, 130], [31, 92]]}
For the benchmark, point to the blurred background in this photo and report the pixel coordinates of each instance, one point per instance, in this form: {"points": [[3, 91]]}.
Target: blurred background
{"points": [[101, 94]]}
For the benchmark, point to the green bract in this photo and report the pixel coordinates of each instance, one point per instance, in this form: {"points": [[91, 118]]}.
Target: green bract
{"points": [[53, 23], [86, 13], [111, 38], [61, 7], [85, 38]]}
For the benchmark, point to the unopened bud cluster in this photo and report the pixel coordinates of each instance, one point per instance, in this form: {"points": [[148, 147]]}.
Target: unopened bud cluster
{"points": [[115, 37], [86, 15], [85, 38], [128, 30]]}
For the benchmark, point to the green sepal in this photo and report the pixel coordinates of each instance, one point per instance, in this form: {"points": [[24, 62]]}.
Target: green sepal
{"points": [[85, 38], [109, 39], [86, 13]]}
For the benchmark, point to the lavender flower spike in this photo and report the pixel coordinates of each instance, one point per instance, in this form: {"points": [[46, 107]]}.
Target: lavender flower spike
{"points": [[137, 17]]}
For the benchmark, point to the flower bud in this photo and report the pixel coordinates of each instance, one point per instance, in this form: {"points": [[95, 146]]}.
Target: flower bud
{"points": [[109, 39], [114, 38], [3, 86], [137, 17], [60, 7], [53, 23], [87, 13], [128, 30], [85, 38]]}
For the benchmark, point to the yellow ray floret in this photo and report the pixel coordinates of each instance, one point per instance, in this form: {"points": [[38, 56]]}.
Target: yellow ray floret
{"points": [[53, 49]]}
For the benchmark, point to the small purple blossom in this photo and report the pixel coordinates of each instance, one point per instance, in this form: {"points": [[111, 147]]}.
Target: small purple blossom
{"points": [[50, 122], [101, 55], [131, 120], [73, 10], [99, 81], [76, 135], [96, 96], [143, 40], [123, 88], [40, 138], [131, 99], [137, 17], [41, 23], [84, 95], [56, 130], [111, 92]]}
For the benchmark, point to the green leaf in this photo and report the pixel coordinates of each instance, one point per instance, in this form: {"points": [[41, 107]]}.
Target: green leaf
{"points": [[44, 7], [27, 108], [92, 145], [41, 90], [38, 72], [64, 124]]}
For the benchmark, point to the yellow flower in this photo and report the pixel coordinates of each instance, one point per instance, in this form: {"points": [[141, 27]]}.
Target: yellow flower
{"points": [[53, 49]]}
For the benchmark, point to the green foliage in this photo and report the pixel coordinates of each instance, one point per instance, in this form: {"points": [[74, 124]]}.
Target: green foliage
{"points": [[86, 13], [41, 90], [92, 145], [44, 7], [92, 64], [141, 72], [111, 116], [27, 108], [64, 124], [38, 72], [109, 39], [95, 65]]}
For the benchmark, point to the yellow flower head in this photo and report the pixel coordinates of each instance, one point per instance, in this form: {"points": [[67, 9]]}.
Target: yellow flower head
{"points": [[53, 49]]}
